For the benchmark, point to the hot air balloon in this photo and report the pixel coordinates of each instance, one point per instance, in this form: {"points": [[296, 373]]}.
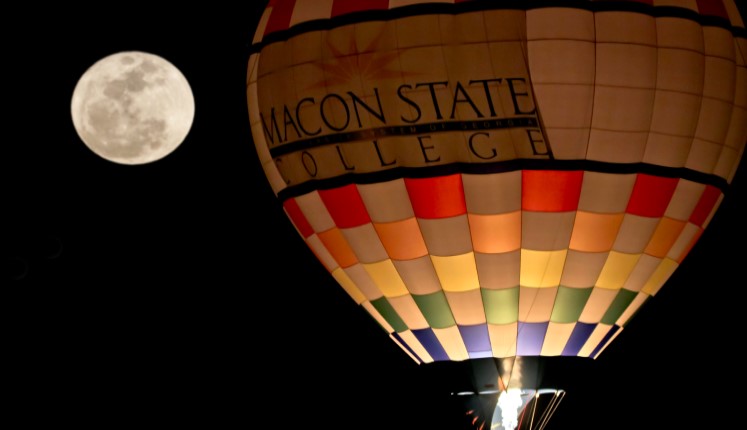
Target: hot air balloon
{"points": [[500, 182]]}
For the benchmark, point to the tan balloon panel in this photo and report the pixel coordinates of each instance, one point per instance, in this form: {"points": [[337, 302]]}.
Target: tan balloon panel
{"points": [[493, 180]]}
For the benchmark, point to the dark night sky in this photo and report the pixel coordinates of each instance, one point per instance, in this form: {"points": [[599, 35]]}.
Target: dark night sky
{"points": [[177, 293]]}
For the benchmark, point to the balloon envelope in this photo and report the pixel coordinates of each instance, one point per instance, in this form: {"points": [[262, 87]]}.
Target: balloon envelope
{"points": [[497, 179]]}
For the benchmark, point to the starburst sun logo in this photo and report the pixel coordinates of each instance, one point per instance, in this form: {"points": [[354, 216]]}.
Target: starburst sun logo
{"points": [[372, 63]]}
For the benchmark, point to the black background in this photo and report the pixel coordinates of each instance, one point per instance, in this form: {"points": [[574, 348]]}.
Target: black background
{"points": [[177, 293]]}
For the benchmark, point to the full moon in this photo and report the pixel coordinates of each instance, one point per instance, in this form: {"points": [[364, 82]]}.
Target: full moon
{"points": [[132, 107]]}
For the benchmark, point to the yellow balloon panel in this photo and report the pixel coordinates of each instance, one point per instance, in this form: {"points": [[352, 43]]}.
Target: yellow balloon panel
{"points": [[490, 179]]}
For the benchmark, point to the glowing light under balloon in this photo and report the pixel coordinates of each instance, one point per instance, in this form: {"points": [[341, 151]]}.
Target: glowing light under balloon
{"points": [[509, 403]]}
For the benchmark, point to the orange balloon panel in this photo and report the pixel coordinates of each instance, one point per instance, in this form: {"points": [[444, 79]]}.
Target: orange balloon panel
{"points": [[491, 179]]}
